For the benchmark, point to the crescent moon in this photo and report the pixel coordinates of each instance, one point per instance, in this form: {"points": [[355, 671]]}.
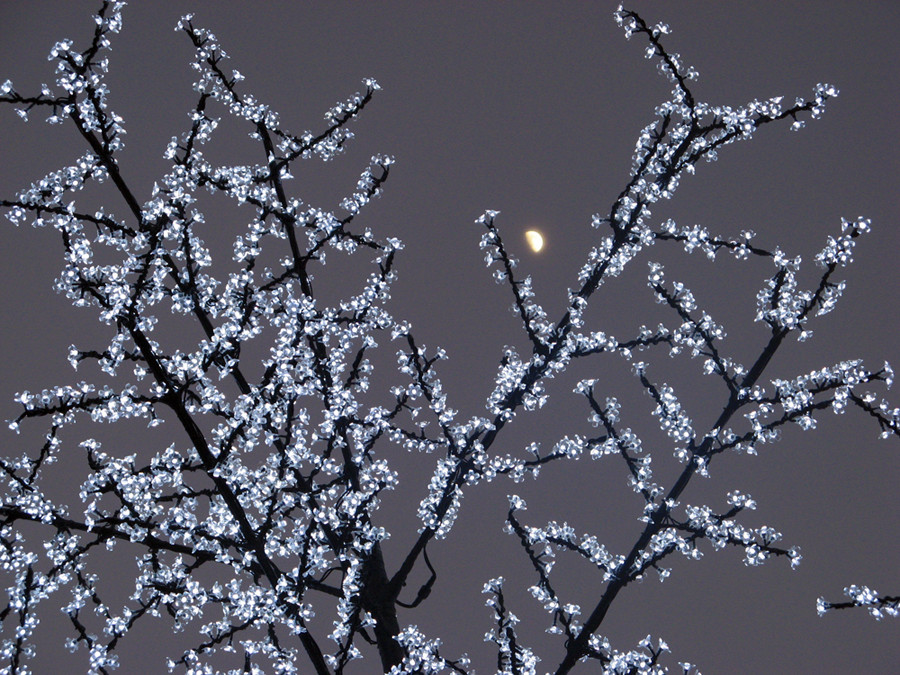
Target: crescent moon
{"points": [[535, 240]]}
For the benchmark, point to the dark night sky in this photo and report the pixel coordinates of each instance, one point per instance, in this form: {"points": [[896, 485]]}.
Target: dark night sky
{"points": [[533, 110]]}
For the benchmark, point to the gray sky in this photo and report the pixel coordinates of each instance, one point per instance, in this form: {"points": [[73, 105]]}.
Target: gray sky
{"points": [[533, 109]]}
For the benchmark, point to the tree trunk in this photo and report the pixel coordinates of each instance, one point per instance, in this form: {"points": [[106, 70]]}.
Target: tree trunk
{"points": [[380, 600]]}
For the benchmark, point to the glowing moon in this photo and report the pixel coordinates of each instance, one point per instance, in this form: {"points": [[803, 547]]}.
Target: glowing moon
{"points": [[535, 240]]}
